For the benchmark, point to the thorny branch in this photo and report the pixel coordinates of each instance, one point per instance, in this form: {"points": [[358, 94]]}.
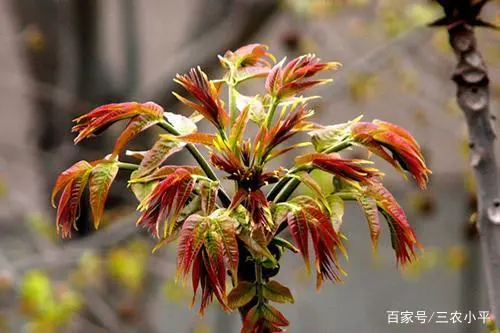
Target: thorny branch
{"points": [[473, 94]]}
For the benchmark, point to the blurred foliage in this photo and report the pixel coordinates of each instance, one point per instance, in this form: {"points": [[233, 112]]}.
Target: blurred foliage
{"points": [[89, 271], [363, 87], [175, 292], [456, 257], [47, 307], [42, 225], [3, 187], [425, 262], [128, 264], [453, 258], [422, 203]]}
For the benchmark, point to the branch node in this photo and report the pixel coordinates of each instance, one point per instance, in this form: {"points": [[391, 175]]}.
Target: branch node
{"points": [[462, 41], [476, 158], [494, 212], [473, 98]]}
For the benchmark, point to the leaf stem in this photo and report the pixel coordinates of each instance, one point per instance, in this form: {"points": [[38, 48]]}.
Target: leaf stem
{"points": [[232, 103], [284, 181], [258, 280], [272, 110], [127, 166], [224, 198]]}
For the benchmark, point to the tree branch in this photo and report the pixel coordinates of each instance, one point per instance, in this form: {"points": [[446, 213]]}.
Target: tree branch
{"points": [[471, 78]]}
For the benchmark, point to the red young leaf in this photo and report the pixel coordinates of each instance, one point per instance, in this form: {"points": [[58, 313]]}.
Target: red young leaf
{"points": [[135, 126], [202, 138], [69, 204], [213, 260], [161, 150], [297, 223], [353, 171], [250, 323], [383, 138], [206, 246], [251, 55], [163, 172], [163, 205], [264, 318], [76, 170], [288, 125], [100, 181], [190, 242], [305, 217], [207, 94], [370, 210], [104, 116], [248, 62], [402, 235], [224, 227], [287, 80], [228, 162]]}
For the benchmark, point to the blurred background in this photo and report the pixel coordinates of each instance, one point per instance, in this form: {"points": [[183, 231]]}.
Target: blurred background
{"points": [[61, 58]]}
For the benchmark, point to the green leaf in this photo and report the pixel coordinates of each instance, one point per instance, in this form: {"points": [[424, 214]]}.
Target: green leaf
{"points": [[142, 190], [257, 244], [257, 112], [240, 295], [272, 315], [276, 292], [309, 181], [208, 195], [246, 73], [329, 136], [182, 124], [100, 181], [285, 244], [336, 204], [370, 210], [236, 136]]}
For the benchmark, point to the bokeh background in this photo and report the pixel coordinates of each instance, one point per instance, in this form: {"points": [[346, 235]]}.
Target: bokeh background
{"points": [[60, 58]]}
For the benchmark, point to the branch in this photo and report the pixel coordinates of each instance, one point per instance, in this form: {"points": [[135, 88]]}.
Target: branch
{"points": [[471, 78]]}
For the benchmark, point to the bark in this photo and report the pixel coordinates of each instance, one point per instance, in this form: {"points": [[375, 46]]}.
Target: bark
{"points": [[473, 95]]}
